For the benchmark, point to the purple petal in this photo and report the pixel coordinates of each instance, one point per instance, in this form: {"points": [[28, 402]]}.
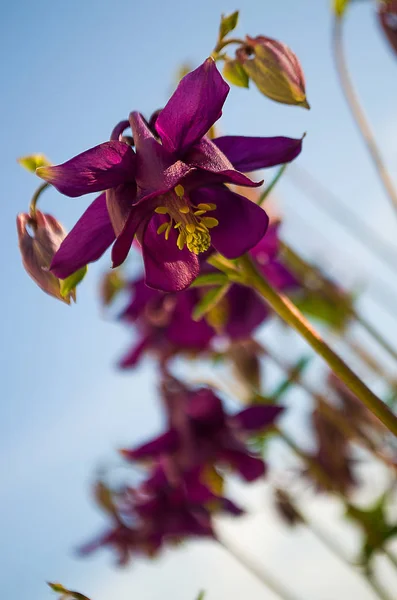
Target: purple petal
{"points": [[182, 330], [255, 418], [89, 239], [119, 201], [95, 170], [207, 157], [138, 217], [241, 222], [249, 467], [279, 276], [252, 153], [132, 357], [142, 295], [156, 169], [167, 268], [205, 407], [193, 108], [246, 311], [268, 246], [166, 443]]}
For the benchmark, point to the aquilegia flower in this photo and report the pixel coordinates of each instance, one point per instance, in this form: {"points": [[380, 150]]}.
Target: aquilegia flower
{"points": [[170, 192], [165, 324], [201, 433]]}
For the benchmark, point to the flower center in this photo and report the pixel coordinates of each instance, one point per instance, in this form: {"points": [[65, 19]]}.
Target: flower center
{"points": [[191, 221]]}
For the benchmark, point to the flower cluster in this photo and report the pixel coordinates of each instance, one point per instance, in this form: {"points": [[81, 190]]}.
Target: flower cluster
{"points": [[184, 487]]}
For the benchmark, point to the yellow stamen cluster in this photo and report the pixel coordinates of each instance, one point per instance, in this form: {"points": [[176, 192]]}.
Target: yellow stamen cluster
{"points": [[191, 221]]}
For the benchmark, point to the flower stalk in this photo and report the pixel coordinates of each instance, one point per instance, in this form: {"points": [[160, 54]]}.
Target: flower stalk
{"points": [[292, 316], [358, 113]]}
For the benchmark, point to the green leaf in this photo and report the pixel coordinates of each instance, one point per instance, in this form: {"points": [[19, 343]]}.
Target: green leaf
{"points": [[68, 285], [228, 23], [33, 161], [339, 7], [234, 73], [209, 279], [326, 310], [201, 595], [209, 301]]}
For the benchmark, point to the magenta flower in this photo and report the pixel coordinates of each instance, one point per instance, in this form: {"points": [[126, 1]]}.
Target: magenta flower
{"points": [[170, 192], [202, 433]]}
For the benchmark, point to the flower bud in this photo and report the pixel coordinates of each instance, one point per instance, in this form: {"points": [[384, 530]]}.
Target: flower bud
{"points": [[274, 69], [38, 250], [387, 14]]}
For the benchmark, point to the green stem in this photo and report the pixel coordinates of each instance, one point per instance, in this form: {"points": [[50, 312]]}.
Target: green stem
{"points": [[272, 184], [374, 333], [258, 572], [35, 198], [358, 113], [294, 318], [222, 44]]}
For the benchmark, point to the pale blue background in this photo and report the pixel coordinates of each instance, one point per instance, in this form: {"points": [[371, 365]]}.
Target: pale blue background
{"points": [[69, 71]]}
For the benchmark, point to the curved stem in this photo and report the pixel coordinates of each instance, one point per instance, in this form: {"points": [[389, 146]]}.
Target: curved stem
{"points": [[222, 44], [358, 113], [272, 184], [294, 318], [35, 198], [258, 572]]}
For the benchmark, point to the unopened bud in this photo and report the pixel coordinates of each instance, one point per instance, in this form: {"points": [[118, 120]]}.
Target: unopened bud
{"points": [[275, 70], [387, 14], [38, 248]]}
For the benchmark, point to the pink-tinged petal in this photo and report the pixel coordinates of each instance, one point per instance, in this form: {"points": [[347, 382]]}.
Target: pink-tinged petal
{"points": [[193, 108], [246, 311], [167, 443], [119, 201], [207, 157], [167, 268], [88, 240], [242, 223], [249, 467], [251, 153], [257, 417], [95, 170], [131, 359], [142, 295], [156, 169]]}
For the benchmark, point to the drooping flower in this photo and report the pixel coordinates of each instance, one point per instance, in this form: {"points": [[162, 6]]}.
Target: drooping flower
{"points": [[169, 193], [164, 321], [38, 249], [202, 433], [275, 70]]}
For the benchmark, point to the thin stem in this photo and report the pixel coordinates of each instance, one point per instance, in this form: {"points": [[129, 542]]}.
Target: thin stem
{"points": [[258, 572], [35, 198], [272, 184], [222, 44], [302, 269], [358, 113], [315, 191], [294, 318], [391, 557]]}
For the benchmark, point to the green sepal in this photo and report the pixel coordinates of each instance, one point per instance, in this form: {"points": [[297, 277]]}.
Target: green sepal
{"points": [[228, 23], [209, 301], [209, 279], [234, 72], [33, 162], [68, 285]]}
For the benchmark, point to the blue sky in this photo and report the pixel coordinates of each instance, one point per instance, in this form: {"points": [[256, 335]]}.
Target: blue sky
{"points": [[69, 72]]}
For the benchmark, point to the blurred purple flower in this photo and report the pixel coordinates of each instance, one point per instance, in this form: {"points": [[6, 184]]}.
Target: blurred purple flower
{"points": [[201, 433], [387, 14], [170, 192]]}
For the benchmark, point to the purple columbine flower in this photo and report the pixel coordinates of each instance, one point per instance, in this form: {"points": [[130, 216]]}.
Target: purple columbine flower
{"points": [[201, 432], [170, 192]]}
